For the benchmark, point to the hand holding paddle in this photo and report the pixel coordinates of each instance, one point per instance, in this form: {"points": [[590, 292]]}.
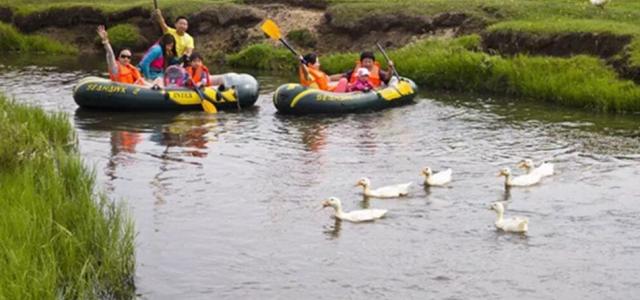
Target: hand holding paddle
{"points": [[273, 31], [393, 68]]}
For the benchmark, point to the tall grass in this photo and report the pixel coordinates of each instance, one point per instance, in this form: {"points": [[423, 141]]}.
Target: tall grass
{"points": [[12, 40], [58, 240]]}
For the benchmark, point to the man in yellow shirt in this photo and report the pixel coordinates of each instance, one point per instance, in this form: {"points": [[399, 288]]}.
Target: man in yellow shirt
{"points": [[184, 42]]}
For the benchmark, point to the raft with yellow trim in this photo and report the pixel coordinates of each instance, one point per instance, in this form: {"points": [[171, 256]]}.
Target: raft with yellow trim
{"points": [[241, 91], [297, 99]]}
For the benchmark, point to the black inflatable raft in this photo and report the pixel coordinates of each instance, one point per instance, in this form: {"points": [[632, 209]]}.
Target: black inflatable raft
{"points": [[241, 90], [296, 99]]}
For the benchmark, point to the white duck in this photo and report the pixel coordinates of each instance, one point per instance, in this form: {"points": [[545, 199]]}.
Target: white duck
{"points": [[384, 192], [513, 224], [545, 169], [599, 3], [355, 216], [522, 180], [440, 178]]}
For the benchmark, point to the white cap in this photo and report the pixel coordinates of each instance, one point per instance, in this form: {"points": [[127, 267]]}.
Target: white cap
{"points": [[362, 72]]}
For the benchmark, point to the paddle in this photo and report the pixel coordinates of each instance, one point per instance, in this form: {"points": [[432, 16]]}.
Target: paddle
{"points": [[155, 4], [207, 103], [273, 31], [393, 68]]}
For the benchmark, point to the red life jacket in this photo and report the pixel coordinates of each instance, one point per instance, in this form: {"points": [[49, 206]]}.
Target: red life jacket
{"points": [[199, 75], [126, 74], [374, 74]]}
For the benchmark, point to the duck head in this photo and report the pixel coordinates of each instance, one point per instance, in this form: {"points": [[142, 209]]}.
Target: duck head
{"points": [[525, 164], [426, 172], [363, 182], [497, 207], [332, 201], [506, 172]]}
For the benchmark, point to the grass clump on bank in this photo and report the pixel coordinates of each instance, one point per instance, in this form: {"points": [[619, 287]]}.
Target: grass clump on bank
{"points": [[58, 241], [263, 57], [125, 35], [12, 40]]}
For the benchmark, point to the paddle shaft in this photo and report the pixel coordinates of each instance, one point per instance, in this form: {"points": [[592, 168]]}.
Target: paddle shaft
{"points": [[155, 4], [304, 67], [384, 53]]}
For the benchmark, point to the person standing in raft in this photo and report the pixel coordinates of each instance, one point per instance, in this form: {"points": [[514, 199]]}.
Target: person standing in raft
{"points": [[120, 70], [311, 76], [197, 72], [160, 56], [368, 61], [184, 42]]}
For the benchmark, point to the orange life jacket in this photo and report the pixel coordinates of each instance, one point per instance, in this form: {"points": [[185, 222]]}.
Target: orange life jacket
{"points": [[374, 74], [126, 74], [199, 75], [319, 79]]}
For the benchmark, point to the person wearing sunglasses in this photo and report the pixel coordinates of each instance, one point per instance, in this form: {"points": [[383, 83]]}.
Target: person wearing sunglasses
{"points": [[120, 69]]}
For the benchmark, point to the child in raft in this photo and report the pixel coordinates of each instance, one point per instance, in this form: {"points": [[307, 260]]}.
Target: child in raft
{"points": [[362, 84], [197, 73]]}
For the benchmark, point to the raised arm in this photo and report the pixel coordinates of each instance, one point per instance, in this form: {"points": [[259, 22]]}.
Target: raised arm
{"points": [[112, 64], [160, 20]]}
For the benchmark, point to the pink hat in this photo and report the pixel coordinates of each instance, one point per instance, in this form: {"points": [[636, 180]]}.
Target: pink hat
{"points": [[362, 72]]}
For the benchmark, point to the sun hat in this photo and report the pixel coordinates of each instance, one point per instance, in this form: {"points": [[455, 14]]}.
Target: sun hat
{"points": [[362, 72]]}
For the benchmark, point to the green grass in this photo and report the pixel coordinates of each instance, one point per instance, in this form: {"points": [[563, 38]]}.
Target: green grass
{"points": [[263, 57], [581, 81], [346, 12], [175, 7], [58, 239], [563, 25], [634, 53], [12, 40], [124, 35]]}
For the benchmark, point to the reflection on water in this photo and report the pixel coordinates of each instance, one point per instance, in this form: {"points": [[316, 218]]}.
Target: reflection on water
{"points": [[228, 206]]}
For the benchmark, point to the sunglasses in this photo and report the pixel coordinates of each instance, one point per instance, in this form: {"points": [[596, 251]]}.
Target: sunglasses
{"points": [[125, 56]]}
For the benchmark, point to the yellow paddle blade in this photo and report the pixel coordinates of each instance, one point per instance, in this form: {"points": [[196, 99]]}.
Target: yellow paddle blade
{"points": [[271, 29], [208, 107]]}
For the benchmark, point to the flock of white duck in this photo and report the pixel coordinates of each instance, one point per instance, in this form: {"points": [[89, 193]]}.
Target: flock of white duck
{"points": [[532, 176]]}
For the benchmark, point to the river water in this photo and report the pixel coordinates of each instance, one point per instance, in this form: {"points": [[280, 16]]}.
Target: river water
{"points": [[228, 206]]}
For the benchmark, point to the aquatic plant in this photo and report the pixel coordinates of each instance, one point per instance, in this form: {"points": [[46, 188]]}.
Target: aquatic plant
{"points": [[12, 40], [59, 239]]}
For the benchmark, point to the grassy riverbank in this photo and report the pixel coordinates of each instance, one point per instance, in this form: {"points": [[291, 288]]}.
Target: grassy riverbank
{"points": [[176, 7], [59, 240], [12, 40], [580, 81]]}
